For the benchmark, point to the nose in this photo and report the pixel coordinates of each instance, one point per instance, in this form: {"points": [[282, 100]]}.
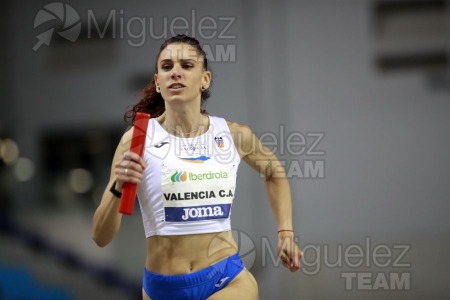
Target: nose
{"points": [[175, 73]]}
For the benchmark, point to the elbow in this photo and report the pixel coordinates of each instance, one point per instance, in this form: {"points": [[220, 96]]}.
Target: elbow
{"points": [[100, 240], [276, 177], [103, 231], [268, 178]]}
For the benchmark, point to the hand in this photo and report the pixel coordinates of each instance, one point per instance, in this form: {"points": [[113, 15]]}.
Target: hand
{"points": [[129, 168], [288, 251]]}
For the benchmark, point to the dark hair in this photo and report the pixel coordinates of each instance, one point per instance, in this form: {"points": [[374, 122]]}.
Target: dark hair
{"points": [[152, 102]]}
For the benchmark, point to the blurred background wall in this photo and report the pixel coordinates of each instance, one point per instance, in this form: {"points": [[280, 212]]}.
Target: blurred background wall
{"points": [[352, 95]]}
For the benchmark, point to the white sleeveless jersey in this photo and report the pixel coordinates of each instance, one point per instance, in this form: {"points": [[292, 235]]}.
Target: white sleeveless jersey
{"points": [[189, 184]]}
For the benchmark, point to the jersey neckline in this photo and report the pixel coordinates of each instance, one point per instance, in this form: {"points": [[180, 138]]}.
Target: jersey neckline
{"points": [[185, 138]]}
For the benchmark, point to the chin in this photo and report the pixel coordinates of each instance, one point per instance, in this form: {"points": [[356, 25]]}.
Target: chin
{"points": [[178, 99], [175, 98]]}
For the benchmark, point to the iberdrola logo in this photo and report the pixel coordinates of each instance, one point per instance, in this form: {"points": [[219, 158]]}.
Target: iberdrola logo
{"points": [[178, 176]]}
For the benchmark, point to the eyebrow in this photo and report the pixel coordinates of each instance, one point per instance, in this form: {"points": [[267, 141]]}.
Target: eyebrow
{"points": [[183, 60]]}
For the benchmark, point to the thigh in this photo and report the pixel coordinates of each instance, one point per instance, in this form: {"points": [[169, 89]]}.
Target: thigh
{"points": [[145, 296], [243, 286]]}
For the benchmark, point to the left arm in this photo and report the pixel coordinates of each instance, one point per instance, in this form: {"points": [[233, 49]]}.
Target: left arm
{"points": [[264, 161]]}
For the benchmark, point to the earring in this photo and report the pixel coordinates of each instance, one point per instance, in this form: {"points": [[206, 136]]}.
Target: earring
{"points": [[157, 89]]}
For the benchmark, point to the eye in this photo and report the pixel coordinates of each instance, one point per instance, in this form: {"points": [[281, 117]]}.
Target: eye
{"points": [[188, 66], [166, 67]]}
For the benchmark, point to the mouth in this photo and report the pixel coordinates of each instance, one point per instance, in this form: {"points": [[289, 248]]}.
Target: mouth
{"points": [[176, 86]]}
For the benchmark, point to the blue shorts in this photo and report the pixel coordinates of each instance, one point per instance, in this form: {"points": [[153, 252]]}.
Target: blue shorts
{"points": [[197, 285]]}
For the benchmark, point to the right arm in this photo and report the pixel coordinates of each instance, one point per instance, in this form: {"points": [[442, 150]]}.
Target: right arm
{"points": [[106, 221]]}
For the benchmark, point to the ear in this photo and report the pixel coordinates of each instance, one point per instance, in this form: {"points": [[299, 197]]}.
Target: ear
{"points": [[155, 78], [206, 79]]}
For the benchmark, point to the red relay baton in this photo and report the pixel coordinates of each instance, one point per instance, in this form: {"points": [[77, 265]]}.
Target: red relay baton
{"points": [[137, 146]]}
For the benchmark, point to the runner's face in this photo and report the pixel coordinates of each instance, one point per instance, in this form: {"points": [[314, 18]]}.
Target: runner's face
{"points": [[181, 74]]}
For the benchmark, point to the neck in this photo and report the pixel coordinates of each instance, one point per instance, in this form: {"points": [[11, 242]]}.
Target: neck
{"points": [[184, 123]]}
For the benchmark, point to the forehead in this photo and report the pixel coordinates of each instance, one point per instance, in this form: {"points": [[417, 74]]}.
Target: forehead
{"points": [[178, 52]]}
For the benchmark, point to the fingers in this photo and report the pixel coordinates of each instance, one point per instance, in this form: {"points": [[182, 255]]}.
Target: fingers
{"points": [[131, 156], [286, 260], [290, 255], [292, 260], [297, 256], [129, 168]]}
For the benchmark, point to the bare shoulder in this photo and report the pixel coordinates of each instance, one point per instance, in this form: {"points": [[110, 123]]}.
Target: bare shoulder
{"points": [[125, 141], [243, 138], [122, 147], [126, 137], [238, 129]]}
